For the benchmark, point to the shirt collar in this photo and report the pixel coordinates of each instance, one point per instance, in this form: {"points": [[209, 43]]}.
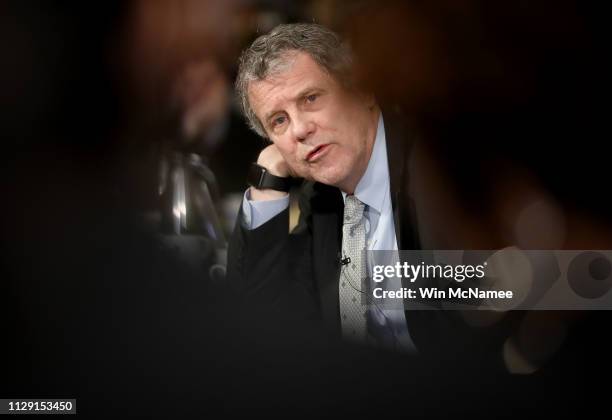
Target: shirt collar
{"points": [[375, 181]]}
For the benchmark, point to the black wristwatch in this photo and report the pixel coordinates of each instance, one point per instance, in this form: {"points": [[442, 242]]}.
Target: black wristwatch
{"points": [[260, 178]]}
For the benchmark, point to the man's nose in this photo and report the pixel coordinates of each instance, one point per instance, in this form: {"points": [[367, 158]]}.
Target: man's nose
{"points": [[303, 127]]}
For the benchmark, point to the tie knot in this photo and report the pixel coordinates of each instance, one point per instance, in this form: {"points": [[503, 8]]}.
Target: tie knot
{"points": [[353, 209]]}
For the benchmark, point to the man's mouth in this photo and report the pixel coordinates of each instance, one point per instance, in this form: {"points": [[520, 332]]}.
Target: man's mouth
{"points": [[316, 153]]}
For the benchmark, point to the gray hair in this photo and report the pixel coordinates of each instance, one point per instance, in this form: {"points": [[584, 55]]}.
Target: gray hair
{"points": [[269, 53]]}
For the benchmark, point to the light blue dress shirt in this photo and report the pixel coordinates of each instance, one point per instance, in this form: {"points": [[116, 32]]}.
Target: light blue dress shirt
{"points": [[373, 190]]}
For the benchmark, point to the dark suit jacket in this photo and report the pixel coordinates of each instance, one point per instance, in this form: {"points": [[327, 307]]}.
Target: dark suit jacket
{"points": [[298, 273]]}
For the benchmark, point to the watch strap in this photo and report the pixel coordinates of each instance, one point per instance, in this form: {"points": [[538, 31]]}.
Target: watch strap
{"points": [[260, 178]]}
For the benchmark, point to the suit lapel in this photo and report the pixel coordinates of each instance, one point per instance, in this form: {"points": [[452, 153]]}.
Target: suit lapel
{"points": [[399, 143], [327, 210]]}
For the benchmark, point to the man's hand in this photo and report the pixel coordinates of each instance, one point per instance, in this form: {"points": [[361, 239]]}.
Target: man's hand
{"points": [[271, 159]]}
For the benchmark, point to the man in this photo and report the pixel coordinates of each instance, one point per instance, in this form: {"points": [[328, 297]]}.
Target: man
{"points": [[296, 89], [209, 125]]}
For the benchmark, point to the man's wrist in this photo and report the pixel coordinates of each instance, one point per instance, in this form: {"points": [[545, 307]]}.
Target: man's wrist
{"points": [[262, 179], [256, 213]]}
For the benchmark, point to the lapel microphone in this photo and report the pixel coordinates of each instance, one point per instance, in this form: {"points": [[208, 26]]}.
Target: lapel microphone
{"points": [[345, 260]]}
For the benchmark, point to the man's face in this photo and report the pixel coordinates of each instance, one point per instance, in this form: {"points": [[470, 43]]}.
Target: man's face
{"points": [[202, 91], [324, 131]]}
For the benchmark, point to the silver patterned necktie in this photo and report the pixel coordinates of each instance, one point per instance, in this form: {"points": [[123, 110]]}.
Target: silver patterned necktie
{"points": [[353, 271]]}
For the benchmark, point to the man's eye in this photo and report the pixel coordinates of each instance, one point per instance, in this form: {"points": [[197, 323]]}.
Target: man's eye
{"points": [[311, 98], [278, 121]]}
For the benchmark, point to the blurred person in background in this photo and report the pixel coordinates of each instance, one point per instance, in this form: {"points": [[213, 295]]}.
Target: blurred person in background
{"points": [[188, 50], [209, 126]]}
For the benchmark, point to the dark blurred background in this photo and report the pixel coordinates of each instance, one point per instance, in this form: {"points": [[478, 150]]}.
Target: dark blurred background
{"points": [[124, 161]]}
